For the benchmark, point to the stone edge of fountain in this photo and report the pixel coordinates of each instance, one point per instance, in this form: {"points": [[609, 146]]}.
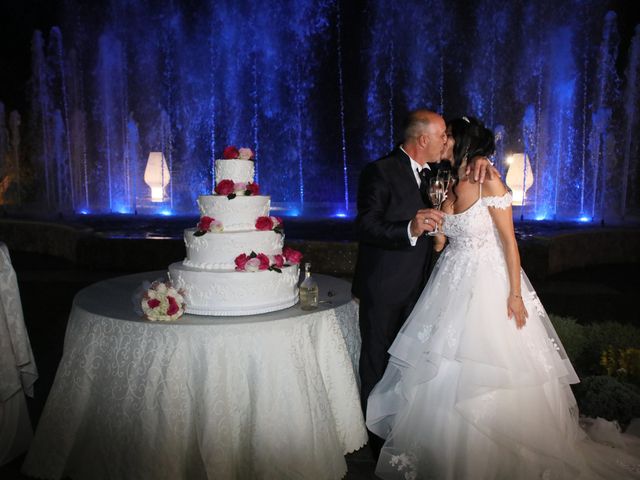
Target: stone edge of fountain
{"points": [[543, 254]]}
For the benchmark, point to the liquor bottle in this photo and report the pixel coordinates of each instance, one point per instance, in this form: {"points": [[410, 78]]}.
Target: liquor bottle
{"points": [[308, 290]]}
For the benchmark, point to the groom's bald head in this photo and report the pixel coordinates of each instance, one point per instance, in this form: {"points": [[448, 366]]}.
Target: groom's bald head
{"points": [[419, 122]]}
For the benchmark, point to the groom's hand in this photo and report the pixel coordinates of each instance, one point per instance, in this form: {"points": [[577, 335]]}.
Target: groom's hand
{"points": [[482, 167], [425, 221]]}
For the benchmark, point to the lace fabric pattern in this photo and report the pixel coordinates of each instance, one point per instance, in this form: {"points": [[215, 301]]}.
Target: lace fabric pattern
{"points": [[260, 399], [468, 395]]}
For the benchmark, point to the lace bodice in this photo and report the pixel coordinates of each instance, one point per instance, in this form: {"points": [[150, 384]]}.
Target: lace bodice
{"points": [[474, 229]]}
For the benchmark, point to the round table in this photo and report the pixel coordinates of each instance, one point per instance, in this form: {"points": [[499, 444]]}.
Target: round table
{"points": [[267, 396]]}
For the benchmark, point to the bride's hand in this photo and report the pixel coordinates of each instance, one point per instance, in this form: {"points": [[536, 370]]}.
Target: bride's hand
{"points": [[517, 310]]}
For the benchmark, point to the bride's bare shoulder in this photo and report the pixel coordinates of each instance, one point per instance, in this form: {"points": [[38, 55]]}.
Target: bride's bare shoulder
{"points": [[493, 187]]}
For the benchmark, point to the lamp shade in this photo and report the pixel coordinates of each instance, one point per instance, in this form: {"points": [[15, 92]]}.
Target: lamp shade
{"points": [[519, 176], [156, 175]]}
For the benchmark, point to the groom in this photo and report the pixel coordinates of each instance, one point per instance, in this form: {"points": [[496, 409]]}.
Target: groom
{"points": [[394, 254]]}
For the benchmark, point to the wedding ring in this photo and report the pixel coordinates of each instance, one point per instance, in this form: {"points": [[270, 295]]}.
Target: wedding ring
{"points": [[426, 220]]}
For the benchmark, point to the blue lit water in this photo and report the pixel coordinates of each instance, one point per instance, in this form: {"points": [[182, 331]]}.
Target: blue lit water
{"points": [[318, 88]]}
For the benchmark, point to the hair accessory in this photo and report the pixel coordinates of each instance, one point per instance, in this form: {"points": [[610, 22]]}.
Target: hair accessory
{"points": [[466, 119]]}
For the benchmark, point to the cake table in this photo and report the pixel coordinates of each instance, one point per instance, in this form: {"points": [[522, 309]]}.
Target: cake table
{"points": [[270, 396]]}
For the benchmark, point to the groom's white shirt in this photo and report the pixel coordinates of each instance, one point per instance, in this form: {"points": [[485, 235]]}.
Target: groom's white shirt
{"points": [[416, 167]]}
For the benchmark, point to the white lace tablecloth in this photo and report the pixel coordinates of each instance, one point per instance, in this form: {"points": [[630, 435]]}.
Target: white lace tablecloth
{"points": [[18, 371], [271, 396]]}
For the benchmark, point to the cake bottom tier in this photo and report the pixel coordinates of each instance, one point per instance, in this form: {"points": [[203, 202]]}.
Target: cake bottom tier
{"points": [[235, 293]]}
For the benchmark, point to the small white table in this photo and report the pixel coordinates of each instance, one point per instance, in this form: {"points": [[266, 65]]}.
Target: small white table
{"points": [[269, 396]]}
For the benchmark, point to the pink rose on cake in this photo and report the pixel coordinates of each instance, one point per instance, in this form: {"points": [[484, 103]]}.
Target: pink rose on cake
{"points": [[225, 187], [293, 256], [230, 153], [239, 188], [245, 154]]}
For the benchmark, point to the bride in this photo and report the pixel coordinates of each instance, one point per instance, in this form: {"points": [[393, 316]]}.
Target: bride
{"points": [[478, 383]]}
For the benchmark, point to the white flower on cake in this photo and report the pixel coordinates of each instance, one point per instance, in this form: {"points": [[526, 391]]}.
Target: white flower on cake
{"points": [[252, 265], [162, 302]]}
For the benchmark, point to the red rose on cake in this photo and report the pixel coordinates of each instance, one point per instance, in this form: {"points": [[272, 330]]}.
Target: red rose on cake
{"points": [[241, 261], [225, 187], [230, 153], [264, 223], [293, 256], [264, 261], [278, 261], [252, 189], [205, 223]]}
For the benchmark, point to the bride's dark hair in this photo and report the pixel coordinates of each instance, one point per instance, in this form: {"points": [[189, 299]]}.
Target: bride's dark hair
{"points": [[472, 139]]}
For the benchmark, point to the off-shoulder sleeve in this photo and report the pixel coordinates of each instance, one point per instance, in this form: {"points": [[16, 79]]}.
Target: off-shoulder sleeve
{"points": [[503, 201]]}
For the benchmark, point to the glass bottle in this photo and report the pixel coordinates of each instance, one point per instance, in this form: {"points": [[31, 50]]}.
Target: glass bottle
{"points": [[308, 290]]}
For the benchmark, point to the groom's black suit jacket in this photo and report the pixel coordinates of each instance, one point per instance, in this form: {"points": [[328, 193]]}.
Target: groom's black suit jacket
{"points": [[389, 271]]}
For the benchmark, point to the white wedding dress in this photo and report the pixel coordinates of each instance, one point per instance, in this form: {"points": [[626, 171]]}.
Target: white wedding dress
{"points": [[466, 395]]}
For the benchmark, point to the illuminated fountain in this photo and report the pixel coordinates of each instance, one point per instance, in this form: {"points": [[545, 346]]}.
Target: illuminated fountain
{"points": [[318, 89]]}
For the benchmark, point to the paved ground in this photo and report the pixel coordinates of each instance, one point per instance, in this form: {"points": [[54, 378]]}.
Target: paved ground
{"points": [[47, 286]]}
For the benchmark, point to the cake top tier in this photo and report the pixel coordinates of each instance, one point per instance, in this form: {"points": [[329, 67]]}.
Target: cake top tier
{"points": [[239, 171]]}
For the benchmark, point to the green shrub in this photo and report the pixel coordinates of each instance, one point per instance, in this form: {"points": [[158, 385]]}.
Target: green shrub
{"points": [[573, 336], [606, 397], [612, 349]]}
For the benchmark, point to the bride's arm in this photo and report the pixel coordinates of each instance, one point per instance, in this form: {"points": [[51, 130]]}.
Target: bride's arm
{"points": [[502, 217]]}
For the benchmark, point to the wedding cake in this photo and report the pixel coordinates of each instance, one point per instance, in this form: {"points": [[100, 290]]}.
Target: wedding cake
{"points": [[236, 261]]}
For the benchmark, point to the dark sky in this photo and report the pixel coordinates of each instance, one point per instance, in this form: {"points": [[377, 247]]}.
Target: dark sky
{"points": [[19, 19]]}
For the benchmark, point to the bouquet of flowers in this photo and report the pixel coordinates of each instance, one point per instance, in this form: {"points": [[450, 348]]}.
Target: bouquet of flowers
{"points": [[162, 302]]}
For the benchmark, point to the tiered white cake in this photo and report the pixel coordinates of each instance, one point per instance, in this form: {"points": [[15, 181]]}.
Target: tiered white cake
{"points": [[221, 275]]}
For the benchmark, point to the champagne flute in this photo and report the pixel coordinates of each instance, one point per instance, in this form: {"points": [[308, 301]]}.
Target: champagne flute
{"points": [[437, 194], [445, 176]]}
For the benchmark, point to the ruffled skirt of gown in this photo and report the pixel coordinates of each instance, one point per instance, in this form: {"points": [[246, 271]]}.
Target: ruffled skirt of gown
{"points": [[466, 395]]}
